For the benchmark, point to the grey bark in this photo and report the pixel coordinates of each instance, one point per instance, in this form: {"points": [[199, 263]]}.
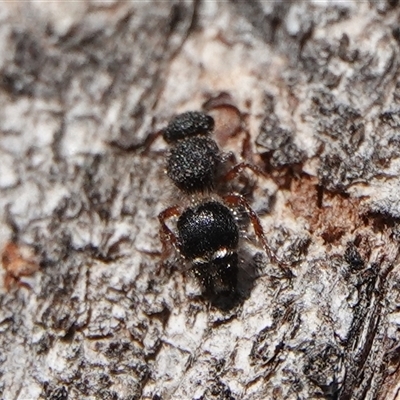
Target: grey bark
{"points": [[106, 317]]}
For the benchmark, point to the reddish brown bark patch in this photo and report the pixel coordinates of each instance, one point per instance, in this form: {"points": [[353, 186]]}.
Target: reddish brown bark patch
{"points": [[18, 261], [329, 215]]}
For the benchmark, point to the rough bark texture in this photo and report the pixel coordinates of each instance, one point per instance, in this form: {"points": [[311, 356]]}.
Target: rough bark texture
{"points": [[106, 317]]}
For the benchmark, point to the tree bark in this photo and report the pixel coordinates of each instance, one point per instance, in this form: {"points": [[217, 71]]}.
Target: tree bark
{"points": [[98, 312]]}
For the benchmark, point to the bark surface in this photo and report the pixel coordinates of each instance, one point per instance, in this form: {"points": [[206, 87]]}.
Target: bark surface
{"points": [[89, 308]]}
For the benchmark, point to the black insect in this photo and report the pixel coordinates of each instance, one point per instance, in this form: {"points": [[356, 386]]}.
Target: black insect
{"points": [[194, 157], [208, 231], [195, 163]]}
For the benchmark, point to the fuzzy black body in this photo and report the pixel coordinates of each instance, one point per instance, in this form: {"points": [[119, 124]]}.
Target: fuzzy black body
{"points": [[188, 124], [206, 230], [194, 157], [192, 164], [208, 233], [208, 236]]}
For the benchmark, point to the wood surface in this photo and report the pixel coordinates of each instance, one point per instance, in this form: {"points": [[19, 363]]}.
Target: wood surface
{"points": [[89, 308]]}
